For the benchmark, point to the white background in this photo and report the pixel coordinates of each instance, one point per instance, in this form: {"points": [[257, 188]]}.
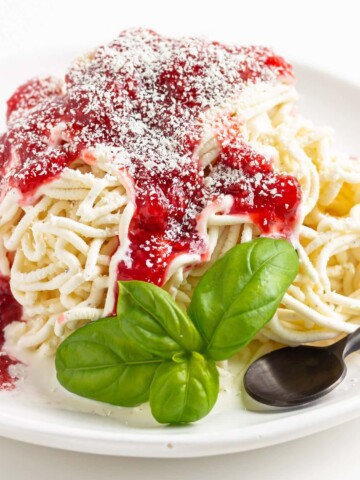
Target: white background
{"points": [[325, 34], [321, 32]]}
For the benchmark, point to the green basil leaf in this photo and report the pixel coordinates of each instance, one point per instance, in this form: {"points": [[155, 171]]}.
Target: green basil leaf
{"points": [[98, 361], [154, 321], [240, 293], [184, 390]]}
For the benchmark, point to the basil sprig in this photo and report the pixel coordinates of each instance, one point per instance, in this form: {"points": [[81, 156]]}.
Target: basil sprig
{"points": [[152, 350]]}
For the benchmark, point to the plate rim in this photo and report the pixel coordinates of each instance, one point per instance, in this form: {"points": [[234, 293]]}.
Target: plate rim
{"points": [[188, 445]]}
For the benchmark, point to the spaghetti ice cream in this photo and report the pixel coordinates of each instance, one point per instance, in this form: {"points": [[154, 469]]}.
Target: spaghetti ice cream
{"points": [[152, 159]]}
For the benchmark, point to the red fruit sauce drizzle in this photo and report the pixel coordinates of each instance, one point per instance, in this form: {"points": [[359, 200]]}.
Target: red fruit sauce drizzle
{"points": [[10, 310], [143, 99]]}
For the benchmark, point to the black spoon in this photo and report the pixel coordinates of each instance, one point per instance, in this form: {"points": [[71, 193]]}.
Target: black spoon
{"points": [[295, 376]]}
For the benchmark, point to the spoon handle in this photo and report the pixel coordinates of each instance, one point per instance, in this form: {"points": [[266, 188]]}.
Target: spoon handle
{"points": [[347, 345], [352, 343]]}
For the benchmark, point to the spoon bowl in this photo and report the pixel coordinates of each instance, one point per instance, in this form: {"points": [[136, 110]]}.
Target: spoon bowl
{"points": [[295, 376]]}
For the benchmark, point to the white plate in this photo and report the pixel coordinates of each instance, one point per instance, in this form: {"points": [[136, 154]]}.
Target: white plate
{"points": [[35, 419]]}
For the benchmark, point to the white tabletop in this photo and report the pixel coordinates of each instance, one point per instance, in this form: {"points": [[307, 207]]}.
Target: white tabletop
{"points": [[321, 33], [330, 455]]}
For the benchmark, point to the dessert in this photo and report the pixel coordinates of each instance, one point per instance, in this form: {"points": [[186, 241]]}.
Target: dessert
{"points": [[153, 158]]}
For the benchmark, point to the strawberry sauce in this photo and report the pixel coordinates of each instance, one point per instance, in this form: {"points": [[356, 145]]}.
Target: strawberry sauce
{"points": [[143, 102], [10, 311]]}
